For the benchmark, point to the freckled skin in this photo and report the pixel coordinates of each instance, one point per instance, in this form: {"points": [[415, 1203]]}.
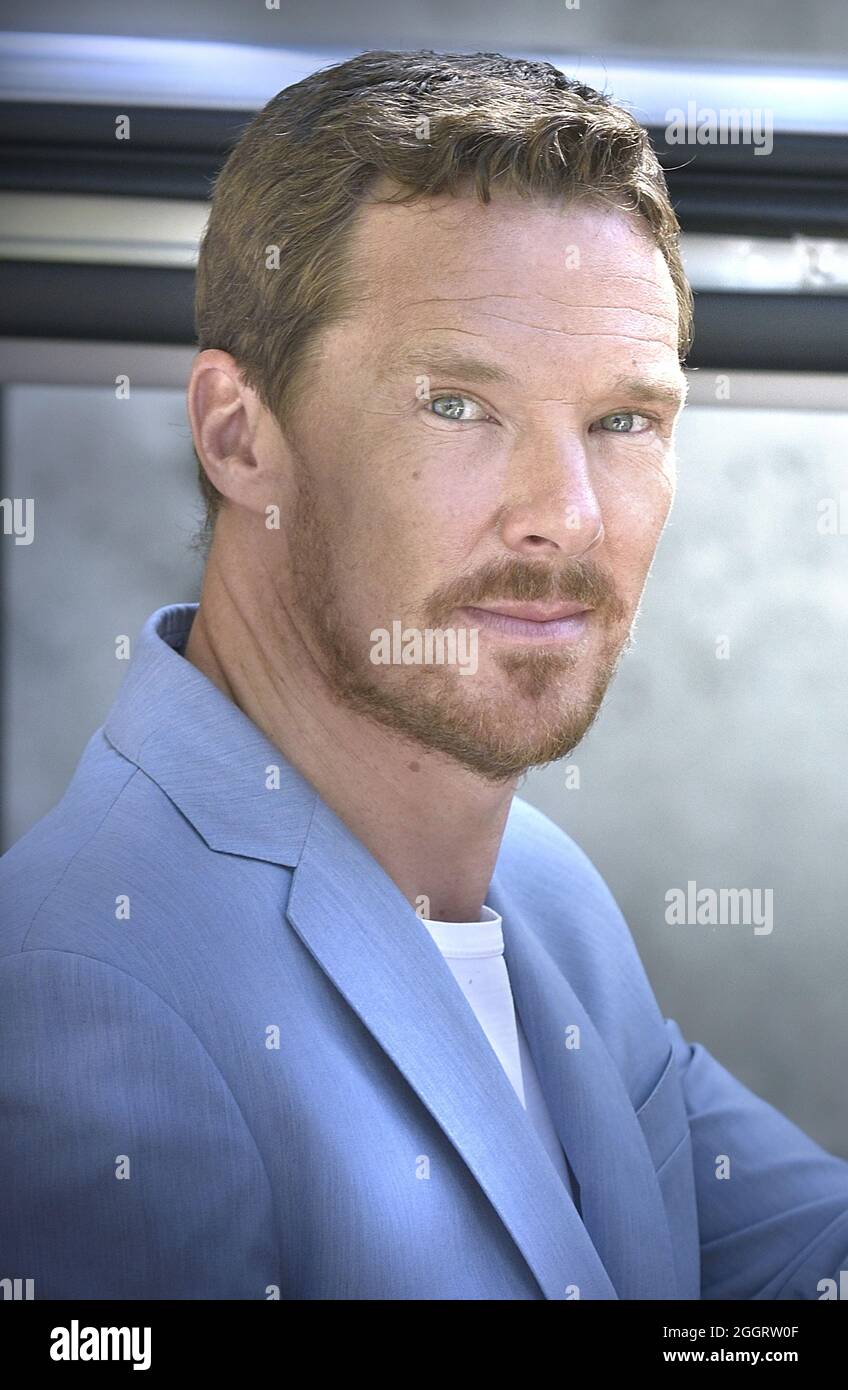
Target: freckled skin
{"points": [[389, 510]]}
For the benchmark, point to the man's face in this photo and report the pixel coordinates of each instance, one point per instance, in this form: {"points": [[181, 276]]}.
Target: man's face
{"points": [[431, 493]]}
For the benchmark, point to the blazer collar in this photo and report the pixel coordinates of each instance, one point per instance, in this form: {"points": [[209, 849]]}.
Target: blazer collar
{"points": [[215, 765]]}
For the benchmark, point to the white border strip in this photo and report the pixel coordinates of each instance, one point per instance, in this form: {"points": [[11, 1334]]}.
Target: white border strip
{"points": [[800, 264], [101, 228], [118, 71], [767, 390]]}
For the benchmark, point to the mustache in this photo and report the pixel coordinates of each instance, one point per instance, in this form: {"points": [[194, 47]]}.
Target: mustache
{"points": [[580, 582]]}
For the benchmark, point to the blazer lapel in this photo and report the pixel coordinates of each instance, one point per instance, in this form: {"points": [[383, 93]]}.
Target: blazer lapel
{"points": [[620, 1199], [370, 943]]}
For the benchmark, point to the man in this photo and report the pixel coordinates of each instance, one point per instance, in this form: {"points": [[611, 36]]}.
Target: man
{"points": [[299, 999]]}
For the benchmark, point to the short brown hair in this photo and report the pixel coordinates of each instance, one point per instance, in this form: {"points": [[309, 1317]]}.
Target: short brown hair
{"points": [[299, 173]]}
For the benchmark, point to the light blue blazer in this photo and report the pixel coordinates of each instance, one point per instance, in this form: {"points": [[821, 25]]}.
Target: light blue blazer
{"points": [[236, 1066]]}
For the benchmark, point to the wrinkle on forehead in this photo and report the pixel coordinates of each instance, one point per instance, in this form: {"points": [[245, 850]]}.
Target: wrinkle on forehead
{"points": [[648, 280], [626, 313], [564, 304]]}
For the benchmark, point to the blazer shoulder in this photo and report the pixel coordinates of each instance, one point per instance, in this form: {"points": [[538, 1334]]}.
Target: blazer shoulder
{"points": [[114, 831], [34, 866]]}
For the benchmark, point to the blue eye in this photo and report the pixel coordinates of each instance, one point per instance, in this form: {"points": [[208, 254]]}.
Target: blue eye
{"points": [[455, 407], [621, 425]]}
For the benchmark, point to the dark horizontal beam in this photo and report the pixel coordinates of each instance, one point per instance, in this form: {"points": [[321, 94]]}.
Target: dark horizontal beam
{"points": [[59, 148], [771, 332], [140, 304], [111, 303], [801, 187]]}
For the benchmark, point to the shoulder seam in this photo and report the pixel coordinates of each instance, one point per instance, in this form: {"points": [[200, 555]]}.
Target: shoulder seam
{"points": [[78, 851]]}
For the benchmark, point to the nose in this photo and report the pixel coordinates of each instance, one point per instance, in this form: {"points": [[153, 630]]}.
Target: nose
{"points": [[555, 510]]}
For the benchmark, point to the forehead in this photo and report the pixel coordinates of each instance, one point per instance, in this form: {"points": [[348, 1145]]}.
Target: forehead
{"points": [[526, 273]]}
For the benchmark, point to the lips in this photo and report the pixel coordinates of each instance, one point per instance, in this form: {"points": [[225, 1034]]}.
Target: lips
{"points": [[531, 622], [534, 612]]}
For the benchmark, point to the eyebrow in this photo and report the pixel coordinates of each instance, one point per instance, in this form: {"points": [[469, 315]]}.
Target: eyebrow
{"points": [[648, 388], [447, 362]]}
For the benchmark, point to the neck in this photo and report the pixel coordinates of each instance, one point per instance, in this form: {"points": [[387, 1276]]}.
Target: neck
{"points": [[432, 825]]}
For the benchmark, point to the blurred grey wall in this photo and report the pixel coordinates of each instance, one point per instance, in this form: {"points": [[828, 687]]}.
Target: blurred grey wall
{"points": [[729, 772], [115, 511]]}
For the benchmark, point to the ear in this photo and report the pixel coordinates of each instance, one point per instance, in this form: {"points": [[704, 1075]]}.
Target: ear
{"points": [[225, 415]]}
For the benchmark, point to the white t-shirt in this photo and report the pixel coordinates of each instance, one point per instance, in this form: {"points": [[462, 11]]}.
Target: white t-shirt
{"points": [[475, 953]]}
